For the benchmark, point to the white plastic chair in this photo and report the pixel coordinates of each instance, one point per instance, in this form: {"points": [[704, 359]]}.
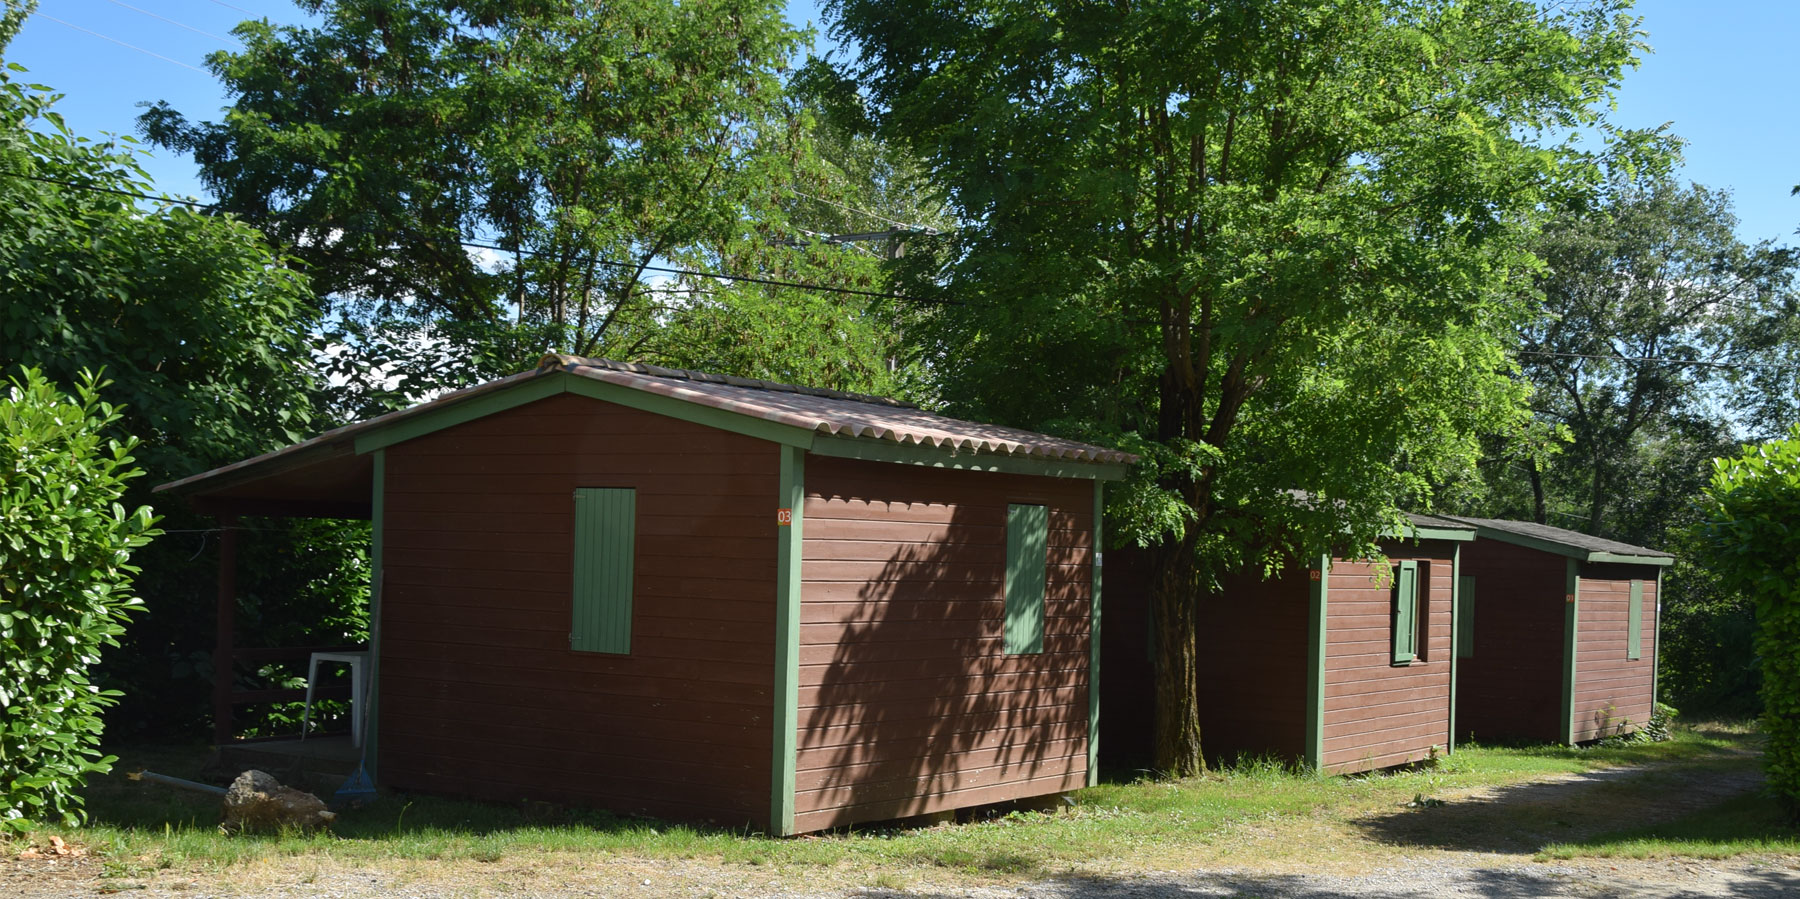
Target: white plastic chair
{"points": [[355, 660]]}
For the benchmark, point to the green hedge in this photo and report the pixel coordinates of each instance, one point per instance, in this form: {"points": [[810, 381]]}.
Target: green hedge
{"points": [[64, 590], [1752, 539]]}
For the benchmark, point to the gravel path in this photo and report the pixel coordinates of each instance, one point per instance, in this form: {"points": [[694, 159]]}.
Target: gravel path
{"points": [[1432, 875]]}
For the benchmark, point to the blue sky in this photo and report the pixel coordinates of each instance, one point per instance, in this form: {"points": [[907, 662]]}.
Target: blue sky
{"points": [[1723, 75]]}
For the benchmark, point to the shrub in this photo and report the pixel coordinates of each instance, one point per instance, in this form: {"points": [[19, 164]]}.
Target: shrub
{"points": [[64, 590], [1753, 545]]}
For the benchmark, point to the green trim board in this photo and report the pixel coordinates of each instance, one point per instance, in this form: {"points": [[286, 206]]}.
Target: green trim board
{"points": [[1027, 569], [1571, 616], [1656, 647], [1628, 559], [377, 520], [1460, 535], [932, 457], [790, 537], [1318, 597], [1457, 611], [1093, 735]]}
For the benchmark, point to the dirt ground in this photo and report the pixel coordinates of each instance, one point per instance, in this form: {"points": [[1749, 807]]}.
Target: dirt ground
{"points": [[1479, 844]]}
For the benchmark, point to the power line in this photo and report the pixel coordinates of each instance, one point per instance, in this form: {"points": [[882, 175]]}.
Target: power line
{"points": [[476, 245], [1658, 360], [216, 37], [247, 12], [120, 42]]}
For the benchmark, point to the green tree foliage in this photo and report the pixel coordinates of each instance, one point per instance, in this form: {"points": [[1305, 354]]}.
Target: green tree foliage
{"points": [[1266, 243], [206, 337], [1658, 326], [1751, 542], [65, 589], [589, 144]]}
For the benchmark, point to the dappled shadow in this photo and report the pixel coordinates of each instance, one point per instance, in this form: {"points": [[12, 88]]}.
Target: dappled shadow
{"points": [[1525, 818], [909, 702]]}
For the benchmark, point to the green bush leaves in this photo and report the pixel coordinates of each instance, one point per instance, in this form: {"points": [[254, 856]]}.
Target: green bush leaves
{"points": [[65, 584], [1752, 535]]}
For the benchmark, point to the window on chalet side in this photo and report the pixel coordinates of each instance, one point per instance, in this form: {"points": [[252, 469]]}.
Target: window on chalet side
{"points": [[605, 544], [1027, 565], [1409, 612]]}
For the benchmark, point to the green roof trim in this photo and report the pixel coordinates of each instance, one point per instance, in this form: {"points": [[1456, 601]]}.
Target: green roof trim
{"points": [[1659, 561], [1460, 535], [1570, 550]]}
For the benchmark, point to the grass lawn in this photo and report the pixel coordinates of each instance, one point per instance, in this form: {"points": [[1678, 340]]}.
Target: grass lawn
{"points": [[1252, 812]]}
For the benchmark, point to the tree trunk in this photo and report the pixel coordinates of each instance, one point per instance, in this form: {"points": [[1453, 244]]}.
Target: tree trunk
{"points": [[1539, 511], [1173, 601]]}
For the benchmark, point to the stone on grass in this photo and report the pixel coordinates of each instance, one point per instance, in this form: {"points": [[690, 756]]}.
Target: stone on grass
{"points": [[258, 802]]}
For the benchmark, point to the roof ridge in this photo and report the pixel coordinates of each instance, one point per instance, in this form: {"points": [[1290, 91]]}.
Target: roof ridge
{"points": [[567, 362]]}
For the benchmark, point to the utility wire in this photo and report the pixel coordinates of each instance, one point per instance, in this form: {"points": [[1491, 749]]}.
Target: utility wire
{"points": [[216, 37], [120, 42], [477, 245], [248, 12]]}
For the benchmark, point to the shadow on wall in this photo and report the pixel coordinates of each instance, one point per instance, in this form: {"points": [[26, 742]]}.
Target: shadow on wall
{"points": [[909, 701]]}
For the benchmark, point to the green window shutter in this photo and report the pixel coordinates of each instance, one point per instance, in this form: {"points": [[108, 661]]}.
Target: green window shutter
{"points": [[1634, 640], [605, 541], [1406, 612], [1027, 557], [1465, 622]]}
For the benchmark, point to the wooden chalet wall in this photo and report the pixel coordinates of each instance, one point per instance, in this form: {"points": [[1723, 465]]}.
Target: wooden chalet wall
{"points": [[1127, 662], [1509, 683], [908, 704], [480, 694], [1378, 714], [1613, 694], [1252, 668]]}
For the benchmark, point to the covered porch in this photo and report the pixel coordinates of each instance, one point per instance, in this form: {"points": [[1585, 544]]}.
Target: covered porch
{"points": [[319, 479]]}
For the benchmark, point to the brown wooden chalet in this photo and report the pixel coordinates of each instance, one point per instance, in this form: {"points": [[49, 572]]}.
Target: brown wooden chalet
{"points": [[1341, 665], [1559, 638], [707, 598]]}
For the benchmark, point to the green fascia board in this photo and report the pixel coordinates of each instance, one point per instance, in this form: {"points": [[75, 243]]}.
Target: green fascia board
{"points": [[1571, 617], [1567, 551], [1456, 627], [1093, 735], [788, 544], [550, 384], [1628, 559], [1319, 596], [1457, 534], [933, 457]]}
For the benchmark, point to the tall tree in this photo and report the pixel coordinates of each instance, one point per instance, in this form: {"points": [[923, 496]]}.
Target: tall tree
{"points": [[1661, 335], [1265, 242], [588, 145]]}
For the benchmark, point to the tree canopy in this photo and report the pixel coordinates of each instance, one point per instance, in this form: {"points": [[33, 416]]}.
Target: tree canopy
{"points": [[1270, 244]]}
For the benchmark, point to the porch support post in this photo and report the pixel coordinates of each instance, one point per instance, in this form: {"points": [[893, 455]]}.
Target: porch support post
{"points": [[223, 645]]}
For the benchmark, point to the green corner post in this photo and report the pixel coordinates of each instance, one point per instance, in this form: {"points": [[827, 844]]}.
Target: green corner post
{"points": [[1656, 647], [1571, 616], [377, 513], [789, 522], [1456, 612], [1093, 736], [1315, 683]]}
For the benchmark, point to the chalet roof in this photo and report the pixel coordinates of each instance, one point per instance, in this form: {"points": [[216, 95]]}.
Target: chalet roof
{"points": [[832, 412], [1564, 542], [1438, 527], [291, 477]]}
